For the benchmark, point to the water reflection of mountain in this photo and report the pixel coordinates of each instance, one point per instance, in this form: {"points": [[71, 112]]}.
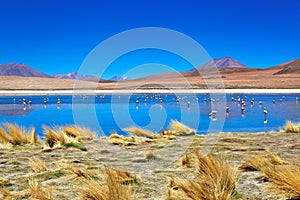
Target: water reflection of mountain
{"points": [[14, 110]]}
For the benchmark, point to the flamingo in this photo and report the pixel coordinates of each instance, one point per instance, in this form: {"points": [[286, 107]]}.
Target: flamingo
{"points": [[265, 113], [243, 109], [212, 115]]}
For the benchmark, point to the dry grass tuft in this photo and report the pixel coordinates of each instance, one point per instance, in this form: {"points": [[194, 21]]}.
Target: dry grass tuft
{"points": [[284, 180], [124, 176], [53, 137], [6, 145], [79, 172], [117, 139], [32, 136], [129, 141], [4, 136], [111, 189], [80, 133], [36, 191], [7, 195], [150, 155], [184, 161], [136, 131], [215, 180], [181, 129], [291, 127], [274, 159], [254, 163], [18, 135], [57, 138], [37, 165]]}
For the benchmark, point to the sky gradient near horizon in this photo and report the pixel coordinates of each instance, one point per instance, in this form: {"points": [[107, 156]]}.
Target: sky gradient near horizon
{"points": [[55, 36]]}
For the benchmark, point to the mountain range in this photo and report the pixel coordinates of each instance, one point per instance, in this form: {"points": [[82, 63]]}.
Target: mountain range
{"points": [[225, 65], [14, 69]]}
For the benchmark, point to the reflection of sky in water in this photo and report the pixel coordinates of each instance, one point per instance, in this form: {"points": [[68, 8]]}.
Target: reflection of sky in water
{"points": [[151, 114]]}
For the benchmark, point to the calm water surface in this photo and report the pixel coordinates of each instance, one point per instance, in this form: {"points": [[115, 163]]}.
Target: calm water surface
{"points": [[112, 113]]}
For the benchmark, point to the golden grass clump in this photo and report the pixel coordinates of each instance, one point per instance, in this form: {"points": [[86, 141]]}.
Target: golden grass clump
{"points": [[6, 145], [284, 180], [291, 127], [57, 138], [6, 194], [79, 172], [215, 179], [274, 159], [184, 161], [18, 135], [111, 189], [254, 163], [150, 155], [258, 163], [136, 131], [53, 137], [81, 133], [36, 191], [37, 165], [124, 176], [117, 139], [4, 136], [181, 129]]}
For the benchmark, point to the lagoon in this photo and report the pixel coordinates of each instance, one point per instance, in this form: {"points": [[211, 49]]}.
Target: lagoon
{"points": [[105, 114]]}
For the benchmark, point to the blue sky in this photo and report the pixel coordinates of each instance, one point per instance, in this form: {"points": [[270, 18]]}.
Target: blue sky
{"points": [[55, 36]]}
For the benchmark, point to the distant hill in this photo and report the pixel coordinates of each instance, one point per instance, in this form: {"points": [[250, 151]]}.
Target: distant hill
{"points": [[78, 76], [291, 67], [71, 75], [226, 62], [118, 78], [15, 69], [225, 65]]}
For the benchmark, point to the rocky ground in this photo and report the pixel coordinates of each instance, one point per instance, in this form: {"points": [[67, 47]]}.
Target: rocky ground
{"points": [[151, 163]]}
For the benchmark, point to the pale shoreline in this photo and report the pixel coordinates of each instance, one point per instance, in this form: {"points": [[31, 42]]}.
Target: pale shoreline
{"points": [[148, 91]]}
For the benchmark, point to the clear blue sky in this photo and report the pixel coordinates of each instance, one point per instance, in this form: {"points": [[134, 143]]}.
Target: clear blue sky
{"points": [[55, 36]]}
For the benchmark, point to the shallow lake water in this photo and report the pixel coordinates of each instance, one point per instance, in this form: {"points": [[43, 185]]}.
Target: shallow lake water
{"points": [[108, 113]]}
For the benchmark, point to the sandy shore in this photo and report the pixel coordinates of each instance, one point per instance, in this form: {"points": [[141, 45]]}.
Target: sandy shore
{"points": [[149, 91]]}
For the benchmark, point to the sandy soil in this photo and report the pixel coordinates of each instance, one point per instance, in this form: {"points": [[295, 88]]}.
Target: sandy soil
{"points": [[252, 79], [15, 166]]}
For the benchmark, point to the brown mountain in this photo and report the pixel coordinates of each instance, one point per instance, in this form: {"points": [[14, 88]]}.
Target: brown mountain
{"points": [[224, 65], [15, 69], [226, 62], [291, 67]]}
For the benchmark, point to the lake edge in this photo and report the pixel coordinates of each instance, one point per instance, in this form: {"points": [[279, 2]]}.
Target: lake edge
{"points": [[149, 91]]}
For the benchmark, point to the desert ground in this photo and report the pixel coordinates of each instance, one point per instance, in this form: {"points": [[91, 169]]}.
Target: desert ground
{"points": [[35, 172], [254, 78]]}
